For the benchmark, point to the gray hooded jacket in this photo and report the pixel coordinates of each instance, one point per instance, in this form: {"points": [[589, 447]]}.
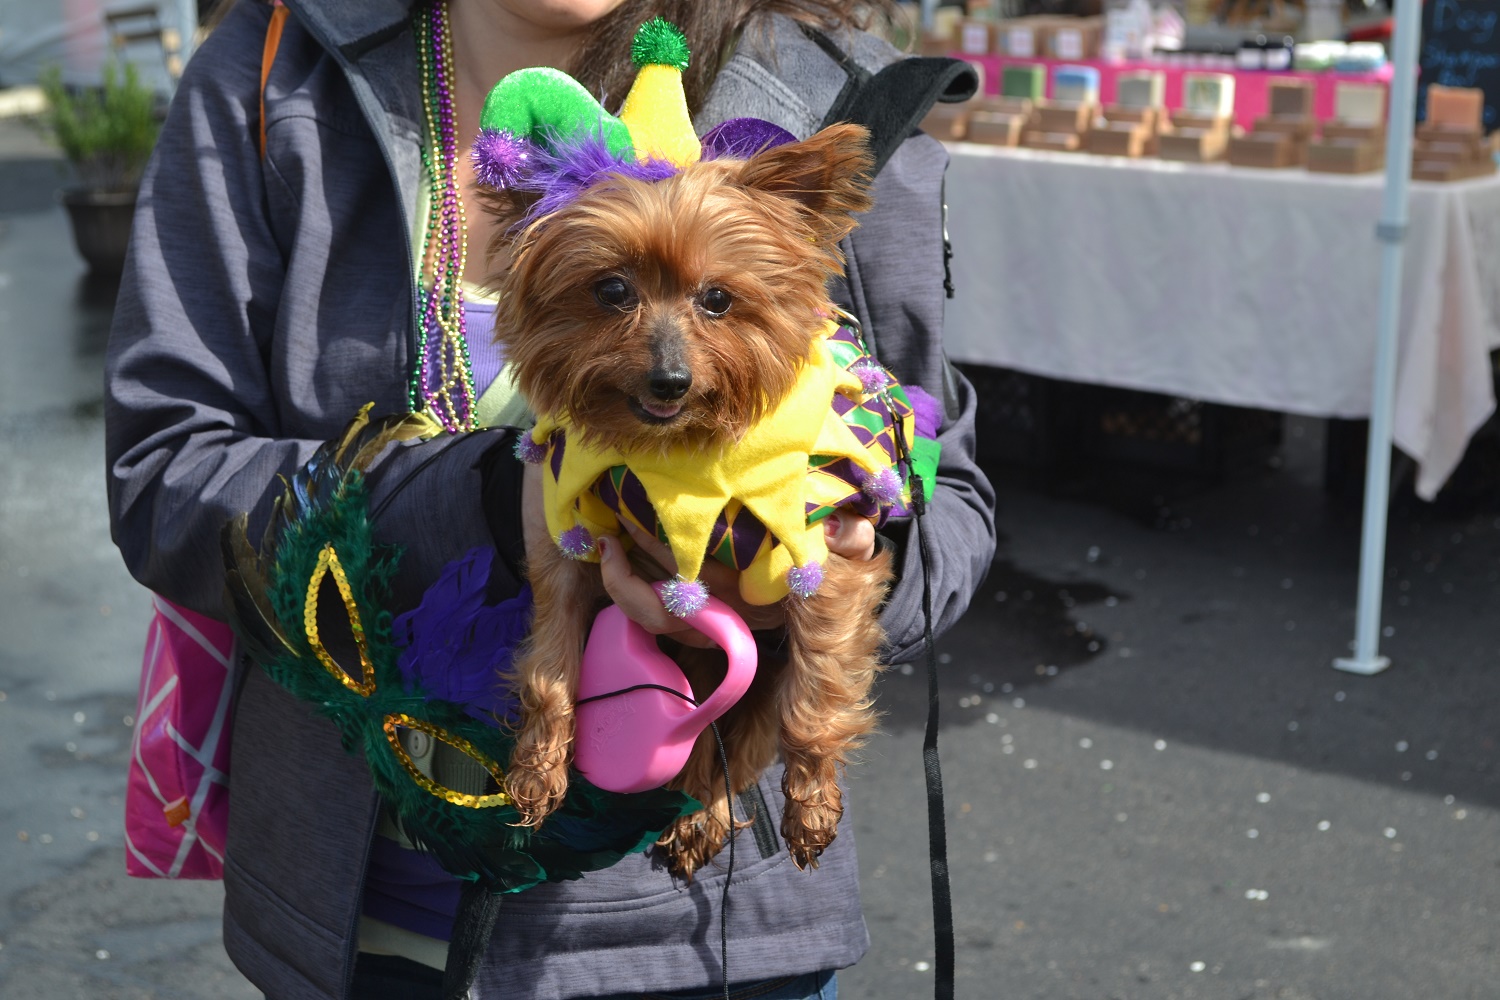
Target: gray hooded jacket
{"points": [[265, 301]]}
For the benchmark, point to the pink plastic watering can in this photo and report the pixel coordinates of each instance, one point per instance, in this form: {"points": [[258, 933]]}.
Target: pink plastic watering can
{"points": [[640, 739]]}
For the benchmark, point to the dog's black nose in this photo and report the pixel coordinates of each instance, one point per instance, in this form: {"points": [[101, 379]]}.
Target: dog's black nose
{"points": [[670, 384]]}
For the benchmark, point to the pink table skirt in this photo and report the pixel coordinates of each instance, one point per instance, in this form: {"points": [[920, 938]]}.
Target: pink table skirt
{"points": [[1250, 98]]}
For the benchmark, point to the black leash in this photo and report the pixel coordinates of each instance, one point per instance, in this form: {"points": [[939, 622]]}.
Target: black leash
{"points": [[937, 830], [728, 802], [729, 875], [937, 827], [637, 687]]}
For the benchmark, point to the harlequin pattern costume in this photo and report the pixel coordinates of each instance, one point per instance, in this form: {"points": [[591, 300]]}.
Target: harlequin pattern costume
{"points": [[758, 506]]}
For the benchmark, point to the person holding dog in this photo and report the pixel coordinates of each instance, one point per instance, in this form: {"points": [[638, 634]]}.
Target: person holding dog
{"points": [[273, 292]]}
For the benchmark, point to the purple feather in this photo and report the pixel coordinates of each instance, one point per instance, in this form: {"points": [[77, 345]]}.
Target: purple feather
{"points": [[927, 411], [576, 542], [560, 175], [804, 581], [501, 158], [742, 138], [683, 598], [454, 646], [528, 450]]}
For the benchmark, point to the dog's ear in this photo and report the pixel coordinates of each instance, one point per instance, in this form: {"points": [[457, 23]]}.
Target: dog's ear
{"points": [[508, 208], [827, 175]]}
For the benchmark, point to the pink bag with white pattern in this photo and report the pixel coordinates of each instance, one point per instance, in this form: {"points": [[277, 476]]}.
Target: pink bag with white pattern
{"points": [[177, 799]]}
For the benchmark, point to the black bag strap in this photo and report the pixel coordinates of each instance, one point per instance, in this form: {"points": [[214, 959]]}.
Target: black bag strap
{"points": [[892, 102]]}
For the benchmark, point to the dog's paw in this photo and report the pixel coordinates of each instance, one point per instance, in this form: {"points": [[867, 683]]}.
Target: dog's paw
{"points": [[805, 857], [536, 791], [808, 830], [693, 841]]}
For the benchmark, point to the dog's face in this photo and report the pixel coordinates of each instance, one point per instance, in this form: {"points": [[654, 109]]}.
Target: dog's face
{"points": [[678, 311]]}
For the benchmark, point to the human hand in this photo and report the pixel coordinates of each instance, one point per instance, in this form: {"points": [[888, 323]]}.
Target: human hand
{"points": [[851, 536], [638, 599]]}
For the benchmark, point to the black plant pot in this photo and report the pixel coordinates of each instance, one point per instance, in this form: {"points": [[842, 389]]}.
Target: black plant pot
{"points": [[101, 226]]}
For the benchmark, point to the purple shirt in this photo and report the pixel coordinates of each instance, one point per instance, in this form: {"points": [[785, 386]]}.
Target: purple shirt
{"points": [[486, 357]]}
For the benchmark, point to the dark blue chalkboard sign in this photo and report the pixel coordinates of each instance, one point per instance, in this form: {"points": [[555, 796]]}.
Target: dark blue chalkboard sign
{"points": [[1461, 48]]}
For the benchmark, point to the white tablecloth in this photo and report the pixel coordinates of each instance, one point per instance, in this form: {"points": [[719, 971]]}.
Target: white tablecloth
{"points": [[1247, 287]]}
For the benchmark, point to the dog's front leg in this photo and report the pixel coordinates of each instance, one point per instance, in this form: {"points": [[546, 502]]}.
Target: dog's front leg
{"points": [[834, 640], [545, 680], [750, 730]]}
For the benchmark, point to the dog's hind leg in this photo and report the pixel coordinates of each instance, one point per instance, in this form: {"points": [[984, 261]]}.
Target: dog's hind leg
{"points": [[824, 698], [545, 678]]}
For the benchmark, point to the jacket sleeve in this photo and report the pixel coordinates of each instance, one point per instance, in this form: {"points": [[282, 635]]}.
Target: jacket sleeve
{"points": [[196, 423], [896, 286]]}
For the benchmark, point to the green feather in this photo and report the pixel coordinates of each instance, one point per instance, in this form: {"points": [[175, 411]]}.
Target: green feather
{"points": [[591, 830], [658, 42]]}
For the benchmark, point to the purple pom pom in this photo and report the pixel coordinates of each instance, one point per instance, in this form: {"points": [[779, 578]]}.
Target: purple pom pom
{"points": [[683, 598], [529, 451], [500, 158], [884, 487], [576, 542], [872, 377], [804, 581]]}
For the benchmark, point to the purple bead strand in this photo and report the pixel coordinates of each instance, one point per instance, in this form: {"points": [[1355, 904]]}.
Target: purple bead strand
{"points": [[445, 377]]}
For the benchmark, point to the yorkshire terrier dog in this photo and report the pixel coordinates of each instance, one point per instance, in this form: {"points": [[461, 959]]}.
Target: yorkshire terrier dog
{"points": [[677, 312]]}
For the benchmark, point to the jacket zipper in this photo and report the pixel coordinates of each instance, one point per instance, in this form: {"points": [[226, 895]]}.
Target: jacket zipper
{"points": [[372, 113]]}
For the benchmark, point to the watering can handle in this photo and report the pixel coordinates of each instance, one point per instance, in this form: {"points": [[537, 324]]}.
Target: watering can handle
{"points": [[724, 626]]}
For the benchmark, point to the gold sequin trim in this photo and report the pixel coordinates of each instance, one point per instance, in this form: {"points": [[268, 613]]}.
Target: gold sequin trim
{"points": [[328, 562], [463, 746]]}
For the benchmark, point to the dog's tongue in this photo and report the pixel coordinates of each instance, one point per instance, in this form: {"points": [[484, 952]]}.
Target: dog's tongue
{"points": [[663, 410]]}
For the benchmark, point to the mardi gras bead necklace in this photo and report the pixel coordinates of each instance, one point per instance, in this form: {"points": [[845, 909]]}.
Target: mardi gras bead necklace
{"points": [[444, 379]]}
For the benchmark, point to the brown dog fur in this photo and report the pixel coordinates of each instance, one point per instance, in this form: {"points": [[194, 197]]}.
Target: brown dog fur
{"points": [[765, 231]]}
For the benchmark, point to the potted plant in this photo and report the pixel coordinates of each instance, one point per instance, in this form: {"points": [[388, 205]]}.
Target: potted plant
{"points": [[107, 134]]}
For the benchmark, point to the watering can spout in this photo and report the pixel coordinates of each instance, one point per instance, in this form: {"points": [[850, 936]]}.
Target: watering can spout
{"points": [[636, 717]]}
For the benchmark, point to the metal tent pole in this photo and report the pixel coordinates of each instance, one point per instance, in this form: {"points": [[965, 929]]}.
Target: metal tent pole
{"points": [[929, 15], [1392, 233], [187, 17]]}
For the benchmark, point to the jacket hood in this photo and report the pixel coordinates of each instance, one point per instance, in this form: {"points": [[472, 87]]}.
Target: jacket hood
{"points": [[353, 27]]}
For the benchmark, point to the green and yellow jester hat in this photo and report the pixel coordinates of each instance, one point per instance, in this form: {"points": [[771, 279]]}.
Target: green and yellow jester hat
{"points": [[542, 132]]}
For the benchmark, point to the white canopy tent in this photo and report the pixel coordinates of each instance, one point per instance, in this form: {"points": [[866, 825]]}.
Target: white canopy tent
{"points": [[1391, 231]]}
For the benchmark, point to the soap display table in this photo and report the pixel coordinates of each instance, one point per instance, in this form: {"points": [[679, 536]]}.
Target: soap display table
{"points": [[1251, 87], [1229, 285]]}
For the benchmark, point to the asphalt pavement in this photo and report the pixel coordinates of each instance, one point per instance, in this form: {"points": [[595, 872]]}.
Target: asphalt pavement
{"points": [[1157, 787]]}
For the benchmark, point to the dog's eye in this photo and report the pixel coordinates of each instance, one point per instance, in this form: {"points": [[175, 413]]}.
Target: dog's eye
{"points": [[715, 301], [614, 292]]}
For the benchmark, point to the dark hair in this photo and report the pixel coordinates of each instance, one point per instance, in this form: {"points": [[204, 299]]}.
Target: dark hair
{"points": [[602, 64]]}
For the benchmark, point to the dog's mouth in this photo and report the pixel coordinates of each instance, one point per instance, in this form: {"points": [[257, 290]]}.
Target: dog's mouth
{"points": [[654, 411]]}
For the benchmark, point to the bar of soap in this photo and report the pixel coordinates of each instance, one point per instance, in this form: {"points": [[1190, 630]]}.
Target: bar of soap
{"points": [[1075, 85], [1142, 89], [1459, 107], [1023, 82], [1290, 98], [1359, 103], [1209, 94]]}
